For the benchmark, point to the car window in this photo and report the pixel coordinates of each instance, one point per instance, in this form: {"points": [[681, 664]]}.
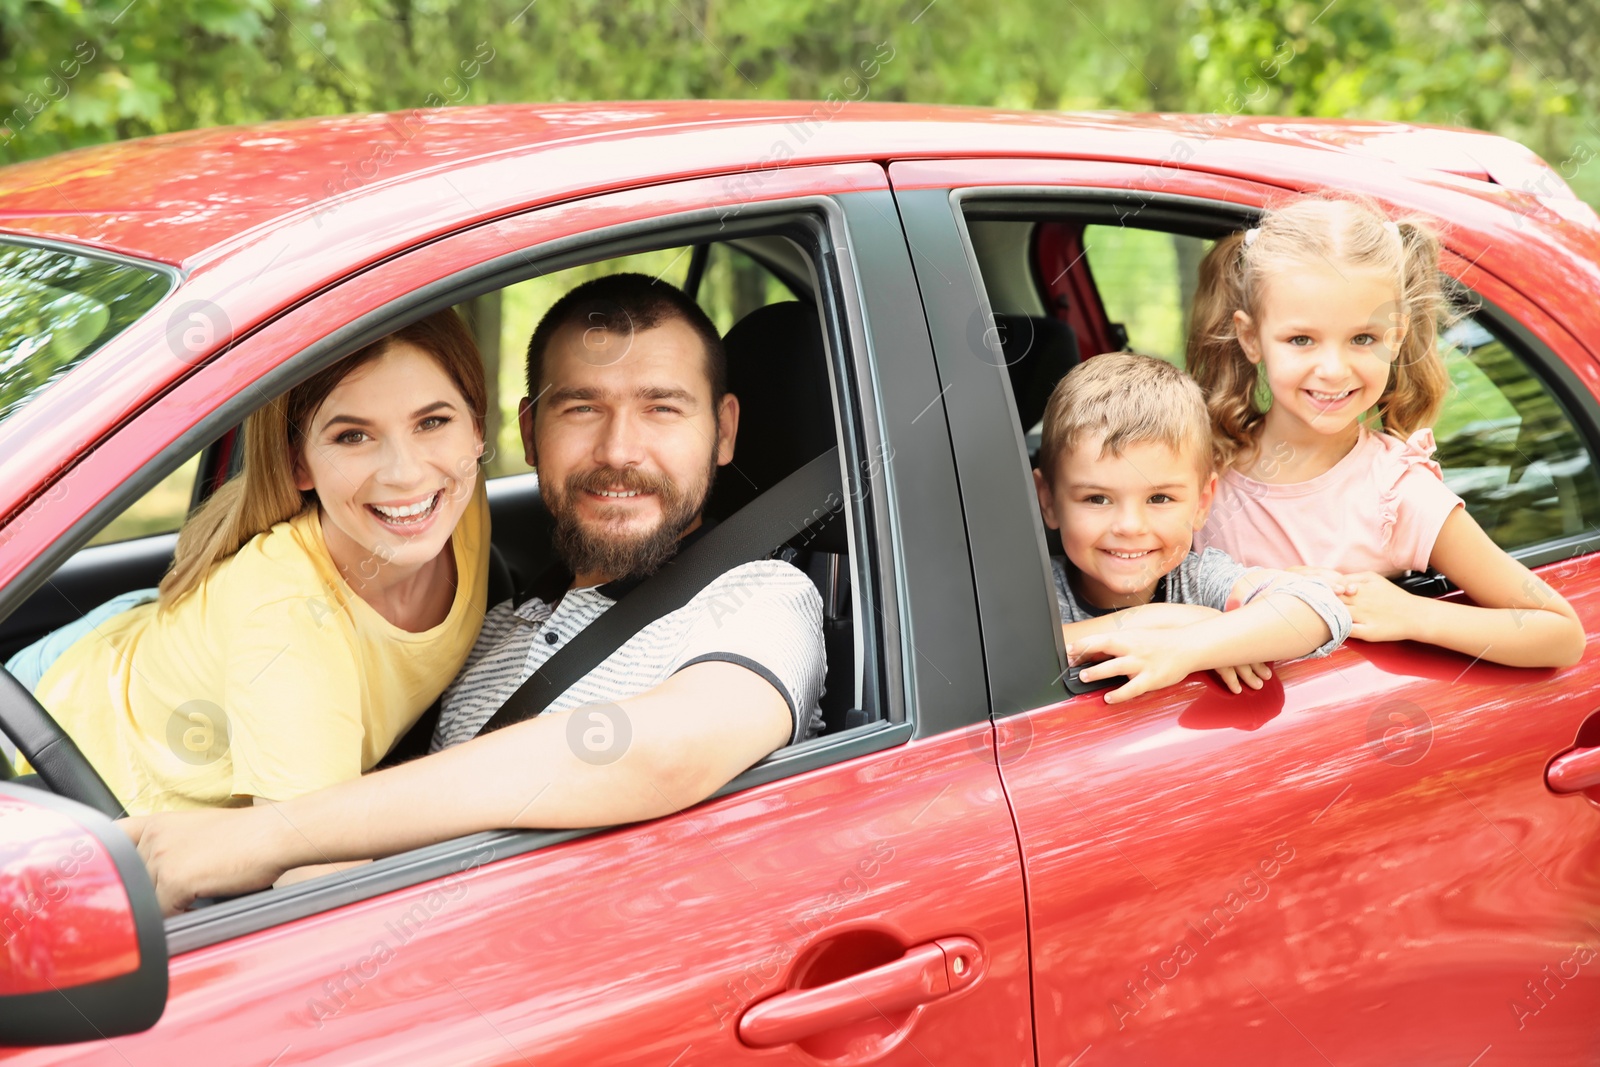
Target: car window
{"points": [[1508, 447], [161, 510], [58, 307], [1506, 444], [1146, 281], [735, 284]]}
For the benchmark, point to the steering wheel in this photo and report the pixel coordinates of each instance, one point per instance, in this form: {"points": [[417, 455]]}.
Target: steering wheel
{"points": [[59, 761]]}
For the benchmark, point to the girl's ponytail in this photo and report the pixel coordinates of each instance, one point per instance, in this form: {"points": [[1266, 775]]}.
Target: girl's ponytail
{"points": [[1214, 356], [1418, 381]]}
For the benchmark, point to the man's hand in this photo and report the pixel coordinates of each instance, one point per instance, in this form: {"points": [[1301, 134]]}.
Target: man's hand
{"points": [[1379, 609], [192, 854], [1151, 659]]}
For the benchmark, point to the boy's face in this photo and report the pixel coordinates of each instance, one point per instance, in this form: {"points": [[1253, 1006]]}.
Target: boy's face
{"points": [[1125, 520]]}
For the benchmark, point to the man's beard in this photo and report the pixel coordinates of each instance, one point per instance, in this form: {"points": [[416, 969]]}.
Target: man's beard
{"points": [[591, 550]]}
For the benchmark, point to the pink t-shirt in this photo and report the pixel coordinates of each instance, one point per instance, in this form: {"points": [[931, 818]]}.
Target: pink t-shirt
{"points": [[1380, 508]]}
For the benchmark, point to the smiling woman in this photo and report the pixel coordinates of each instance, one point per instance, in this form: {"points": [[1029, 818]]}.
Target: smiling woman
{"points": [[317, 604]]}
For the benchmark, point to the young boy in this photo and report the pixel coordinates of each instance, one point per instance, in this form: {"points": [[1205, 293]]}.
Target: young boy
{"points": [[1125, 473]]}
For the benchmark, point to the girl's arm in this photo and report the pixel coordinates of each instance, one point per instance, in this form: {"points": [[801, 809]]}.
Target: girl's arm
{"points": [[1142, 617], [1515, 618]]}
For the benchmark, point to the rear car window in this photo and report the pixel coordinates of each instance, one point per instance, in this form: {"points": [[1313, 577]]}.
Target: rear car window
{"points": [[1509, 448], [57, 307]]}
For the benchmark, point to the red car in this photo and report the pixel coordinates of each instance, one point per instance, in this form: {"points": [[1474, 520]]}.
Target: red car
{"points": [[1386, 856]]}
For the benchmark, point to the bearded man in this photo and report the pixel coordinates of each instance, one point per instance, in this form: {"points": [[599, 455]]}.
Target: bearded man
{"points": [[627, 421]]}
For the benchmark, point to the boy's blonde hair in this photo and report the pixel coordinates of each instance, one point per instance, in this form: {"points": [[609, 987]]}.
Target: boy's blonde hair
{"points": [[1316, 229], [1124, 398]]}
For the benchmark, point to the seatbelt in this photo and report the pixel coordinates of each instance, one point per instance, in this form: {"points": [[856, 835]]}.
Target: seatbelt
{"points": [[802, 500]]}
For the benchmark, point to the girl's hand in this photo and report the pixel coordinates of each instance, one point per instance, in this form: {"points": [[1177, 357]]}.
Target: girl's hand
{"points": [[1325, 575], [1254, 675], [1379, 609], [1151, 659]]}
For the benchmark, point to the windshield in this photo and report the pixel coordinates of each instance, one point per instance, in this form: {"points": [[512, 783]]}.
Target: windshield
{"points": [[57, 307]]}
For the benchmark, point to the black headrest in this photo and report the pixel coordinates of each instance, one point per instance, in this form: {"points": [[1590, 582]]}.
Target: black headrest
{"points": [[777, 367], [1038, 352]]}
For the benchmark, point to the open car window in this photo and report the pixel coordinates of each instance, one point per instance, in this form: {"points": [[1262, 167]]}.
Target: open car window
{"points": [[1507, 444]]}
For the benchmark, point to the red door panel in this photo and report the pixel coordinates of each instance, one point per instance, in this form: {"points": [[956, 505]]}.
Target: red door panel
{"points": [[1361, 864], [647, 945]]}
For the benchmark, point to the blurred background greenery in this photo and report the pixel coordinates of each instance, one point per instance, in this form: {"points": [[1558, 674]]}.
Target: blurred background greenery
{"points": [[75, 72], [79, 72]]}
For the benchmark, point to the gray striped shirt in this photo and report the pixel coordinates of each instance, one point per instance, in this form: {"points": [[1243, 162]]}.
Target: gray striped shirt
{"points": [[765, 616]]}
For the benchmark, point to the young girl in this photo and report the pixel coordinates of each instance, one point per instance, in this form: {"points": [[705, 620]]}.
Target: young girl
{"points": [[1334, 309], [317, 604]]}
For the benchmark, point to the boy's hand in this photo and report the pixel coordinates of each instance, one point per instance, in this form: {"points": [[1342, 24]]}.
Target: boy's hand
{"points": [[1379, 609], [1151, 659], [1254, 675]]}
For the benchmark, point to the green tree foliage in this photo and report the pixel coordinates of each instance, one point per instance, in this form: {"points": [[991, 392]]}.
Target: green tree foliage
{"points": [[76, 72]]}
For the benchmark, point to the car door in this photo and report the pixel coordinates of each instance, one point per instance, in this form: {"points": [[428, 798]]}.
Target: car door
{"points": [[875, 870], [1359, 864]]}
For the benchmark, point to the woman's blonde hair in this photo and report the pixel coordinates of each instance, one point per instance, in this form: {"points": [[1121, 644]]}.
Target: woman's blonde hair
{"points": [[264, 493], [1352, 230]]}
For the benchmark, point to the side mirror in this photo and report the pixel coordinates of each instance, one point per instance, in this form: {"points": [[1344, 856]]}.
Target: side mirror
{"points": [[83, 953]]}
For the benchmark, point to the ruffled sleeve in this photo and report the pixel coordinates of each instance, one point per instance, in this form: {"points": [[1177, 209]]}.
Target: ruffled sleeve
{"points": [[1413, 501]]}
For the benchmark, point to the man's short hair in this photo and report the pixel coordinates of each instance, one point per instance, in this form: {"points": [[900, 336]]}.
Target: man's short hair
{"points": [[622, 304], [1123, 399]]}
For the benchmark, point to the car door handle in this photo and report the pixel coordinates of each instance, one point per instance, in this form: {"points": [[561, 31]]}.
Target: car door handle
{"points": [[924, 974], [1575, 771]]}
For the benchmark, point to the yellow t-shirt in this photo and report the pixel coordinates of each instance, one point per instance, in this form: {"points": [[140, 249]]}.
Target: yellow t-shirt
{"points": [[272, 679]]}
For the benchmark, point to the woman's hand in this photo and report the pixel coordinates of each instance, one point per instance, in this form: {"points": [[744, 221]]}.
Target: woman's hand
{"points": [[1379, 609], [1151, 659], [212, 853]]}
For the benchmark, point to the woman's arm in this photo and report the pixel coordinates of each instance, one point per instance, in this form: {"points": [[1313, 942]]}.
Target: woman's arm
{"points": [[1515, 618]]}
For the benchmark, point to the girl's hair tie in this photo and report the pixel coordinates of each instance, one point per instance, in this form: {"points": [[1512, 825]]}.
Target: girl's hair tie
{"points": [[1250, 235]]}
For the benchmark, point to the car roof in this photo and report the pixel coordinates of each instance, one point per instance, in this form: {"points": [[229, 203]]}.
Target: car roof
{"points": [[186, 198]]}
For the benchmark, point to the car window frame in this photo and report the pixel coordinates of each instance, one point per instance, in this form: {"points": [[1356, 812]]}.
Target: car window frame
{"points": [[874, 555]]}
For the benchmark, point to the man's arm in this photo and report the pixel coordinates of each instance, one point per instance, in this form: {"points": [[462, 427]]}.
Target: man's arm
{"points": [[674, 746]]}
